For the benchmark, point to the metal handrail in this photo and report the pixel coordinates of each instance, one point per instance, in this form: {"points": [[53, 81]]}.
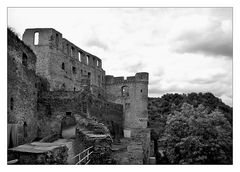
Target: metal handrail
{"points": [[85, 157], [12, 162], [82, 152]]}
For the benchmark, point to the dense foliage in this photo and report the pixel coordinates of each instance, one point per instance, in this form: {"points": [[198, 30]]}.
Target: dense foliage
{"points": [[160, 108], [194, 135], [201, 123]]}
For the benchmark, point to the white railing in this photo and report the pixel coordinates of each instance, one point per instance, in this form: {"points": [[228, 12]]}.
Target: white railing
{"points": [[12, 162], [85, 160]]}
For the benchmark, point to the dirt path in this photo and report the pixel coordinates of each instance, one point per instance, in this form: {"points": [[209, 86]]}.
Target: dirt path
{"points": [[68, 133]]}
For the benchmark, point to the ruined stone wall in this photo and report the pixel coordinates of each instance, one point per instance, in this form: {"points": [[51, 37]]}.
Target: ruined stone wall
{"points": [[54, 106], [62, 62], [23, 86], [132, 93], [110, 114], [137, 148], [143, 136]]}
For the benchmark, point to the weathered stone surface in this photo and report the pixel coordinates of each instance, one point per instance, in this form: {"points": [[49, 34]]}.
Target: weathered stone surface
{"points": [[48, 98], [40, 153], [137, 148], [53, 50], [86, 132], [132, 93], [54, 106], [23, 87]]}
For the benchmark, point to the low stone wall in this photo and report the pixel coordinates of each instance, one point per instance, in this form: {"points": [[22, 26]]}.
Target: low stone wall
{"points": [[101, 145], [39, 153]]}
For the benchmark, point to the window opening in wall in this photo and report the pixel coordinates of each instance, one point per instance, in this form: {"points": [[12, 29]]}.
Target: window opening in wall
{"points": [[25, 129], [81, 71], [141, 91], [89, 74], [72, 51], [99, 80], [74, 70], [125, 91], [67, 48], [36, 38], [63, 86], [68, 113], [24, 60], [57, 39], [79, 56], [87, 60], [63, 66], [74, 89], [11, 103]]}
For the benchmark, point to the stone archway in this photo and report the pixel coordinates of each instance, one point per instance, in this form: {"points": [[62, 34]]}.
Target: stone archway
{"points": [[68, 126]]}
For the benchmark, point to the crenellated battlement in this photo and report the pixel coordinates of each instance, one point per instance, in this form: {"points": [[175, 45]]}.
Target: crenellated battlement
{"points": [[139, 77]]}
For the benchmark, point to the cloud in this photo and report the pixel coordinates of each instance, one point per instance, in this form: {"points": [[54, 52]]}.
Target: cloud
{"points": [[171, 44], [135, 67], [97, 43], [216, 40], [210, 79]]}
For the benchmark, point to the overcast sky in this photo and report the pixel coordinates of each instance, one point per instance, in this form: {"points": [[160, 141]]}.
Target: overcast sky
{"points": [[183, 49]]}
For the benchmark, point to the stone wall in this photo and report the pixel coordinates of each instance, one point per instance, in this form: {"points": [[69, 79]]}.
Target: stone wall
{"points": [[101, 146], [39, 153], [23, 87], [137, 149], [54, 106], [62, 62], [132, 93]]}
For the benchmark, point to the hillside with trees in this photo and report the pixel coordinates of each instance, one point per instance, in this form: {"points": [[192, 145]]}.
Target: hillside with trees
{"points": [[191, 129]]}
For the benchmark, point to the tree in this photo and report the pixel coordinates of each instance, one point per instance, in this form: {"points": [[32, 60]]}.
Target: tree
{"points": [[198, 136]]}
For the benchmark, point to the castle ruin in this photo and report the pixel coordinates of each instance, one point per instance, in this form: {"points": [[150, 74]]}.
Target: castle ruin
{"points": [[52, 82]]}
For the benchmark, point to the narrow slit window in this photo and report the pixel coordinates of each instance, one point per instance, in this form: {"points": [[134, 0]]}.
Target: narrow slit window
{"points": [[36, 38], [63, 66], [74, 70], [24, 60], [72, 51], [67, 48], [87, 60], [57, 40], [25, 134], [11, 103], [79, 56], [99, 80]]}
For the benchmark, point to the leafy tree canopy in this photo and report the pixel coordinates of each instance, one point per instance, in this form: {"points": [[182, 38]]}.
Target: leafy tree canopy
{"points": [[193, 135]]}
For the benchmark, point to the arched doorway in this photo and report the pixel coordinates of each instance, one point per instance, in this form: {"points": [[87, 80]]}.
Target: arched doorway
{"points": [[68, 126]]}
